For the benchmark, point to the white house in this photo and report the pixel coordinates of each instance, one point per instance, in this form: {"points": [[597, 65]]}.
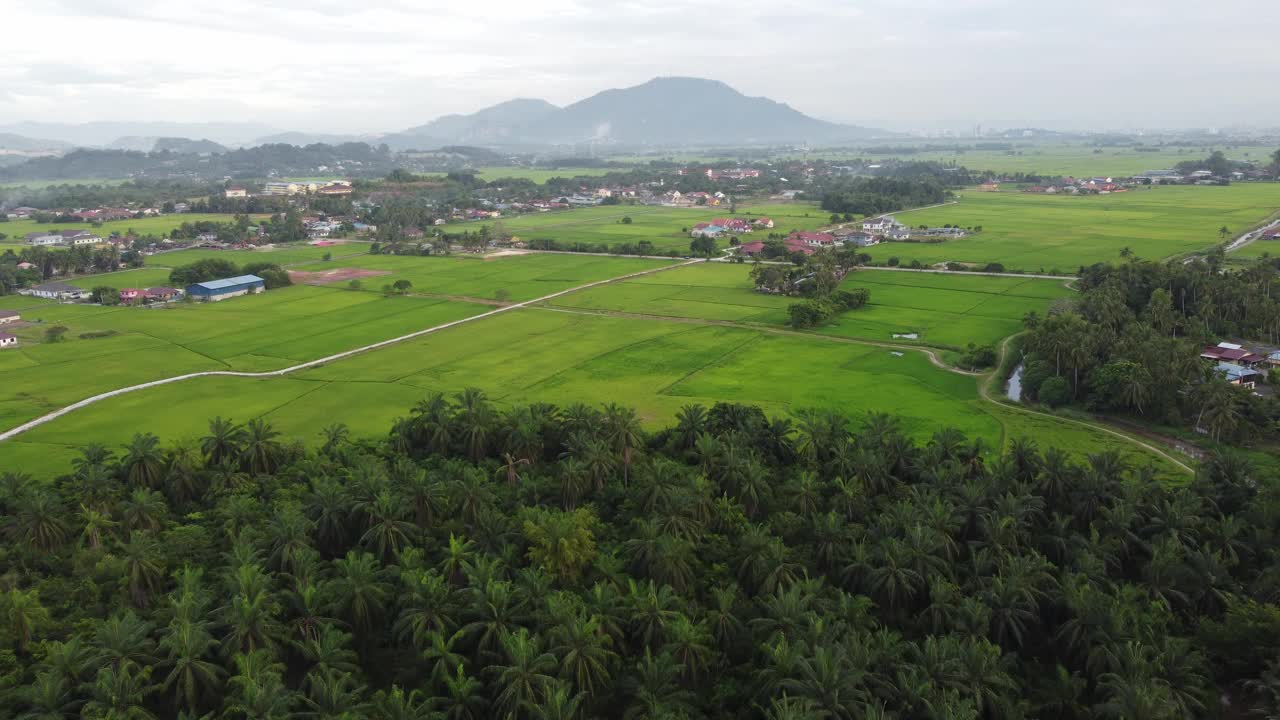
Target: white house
{"points": [[56, 291], [8, 340], [9, 316], [235, 191], [880, 224], [41, 239]]}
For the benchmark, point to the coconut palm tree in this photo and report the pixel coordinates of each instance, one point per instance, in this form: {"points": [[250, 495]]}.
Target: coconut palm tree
{"points": [[38, 522], [260, 452], [359, 592], [143, 568], [120, 692], [222, 444], [23, 616], [585, 657], [387, 530], [192, 677]]}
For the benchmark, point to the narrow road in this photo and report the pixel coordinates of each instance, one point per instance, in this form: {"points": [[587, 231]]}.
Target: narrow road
{"points": [[1251, 236], [984, 390], [37, 422]]}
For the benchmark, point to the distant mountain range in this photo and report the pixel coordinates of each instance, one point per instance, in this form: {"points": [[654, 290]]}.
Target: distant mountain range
{"points": [[664, 111]]}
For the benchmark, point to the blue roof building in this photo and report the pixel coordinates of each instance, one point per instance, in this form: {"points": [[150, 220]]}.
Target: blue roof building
{"points": [[1237, 375], [214, 290]]}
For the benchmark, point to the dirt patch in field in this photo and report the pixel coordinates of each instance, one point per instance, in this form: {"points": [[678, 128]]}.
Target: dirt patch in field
{"points": [[505, 253], [325, 277]]}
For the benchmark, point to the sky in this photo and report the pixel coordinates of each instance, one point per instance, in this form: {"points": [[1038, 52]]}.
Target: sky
{"points": [[371, 66]]}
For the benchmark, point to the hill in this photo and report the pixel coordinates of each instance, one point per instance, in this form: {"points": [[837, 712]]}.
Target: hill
{"points": [[684, 111], [103, 134], [664, 111], [499, 124], [24, 144]]}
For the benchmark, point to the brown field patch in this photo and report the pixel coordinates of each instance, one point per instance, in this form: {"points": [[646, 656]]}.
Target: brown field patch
{"points": [[325, 277]]}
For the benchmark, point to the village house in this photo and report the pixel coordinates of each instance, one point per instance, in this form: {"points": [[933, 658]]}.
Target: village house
{"points": [[56, 291], [857, 238], [335, 189], [704, 230], [812, 239], [21, 213], [236, 191], [160, 294], [763, 222], [129, 295], [9, 316], [1237, 375], [8, 340], [1232, 354], [881, 224], [42, 239]]}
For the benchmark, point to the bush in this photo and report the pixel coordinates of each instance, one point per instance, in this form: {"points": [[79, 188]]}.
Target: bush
{"points": [[979, 356], [98, 334], [1055, 391], [893, 261], [994, 267], [807, 314]]}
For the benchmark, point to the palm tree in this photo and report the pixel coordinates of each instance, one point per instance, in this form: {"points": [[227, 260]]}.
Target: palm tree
{"points": [[690, 646], [525, 676], [467, 698], [335, 436], [475, 420], [557, 704], [48, 698], [510, 467], [585, 657], [496, 609], [359, 591], [187, 644], [122, 638], [1223, 232], [37, 522], [655, 690], [120, 693], [261, 451], [427, 605], [257, 689], [143, 463], [222, 444], [144, 511], [142, 567], [387, 531], [621, 428], [396, 704], [182, 478], [440, 653], [328, 506], [24, 615], [333, 695]]}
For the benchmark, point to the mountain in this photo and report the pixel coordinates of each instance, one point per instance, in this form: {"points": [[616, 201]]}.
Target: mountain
{"points": [[102, 134], [664, 111], [684, 111], [24, 144], [500, 124]]}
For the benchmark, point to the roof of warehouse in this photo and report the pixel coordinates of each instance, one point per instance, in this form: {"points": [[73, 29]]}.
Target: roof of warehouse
{"points": [[229, 282]]}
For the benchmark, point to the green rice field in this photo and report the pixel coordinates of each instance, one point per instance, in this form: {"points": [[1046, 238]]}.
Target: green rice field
{"points": [[666, 227], [158, 225], [544, 355], [1078, 160], [255, 333], [1029, 232], [946, 311]]}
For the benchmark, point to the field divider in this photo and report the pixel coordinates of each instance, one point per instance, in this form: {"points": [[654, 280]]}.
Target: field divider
{"points": [[48, 417]]}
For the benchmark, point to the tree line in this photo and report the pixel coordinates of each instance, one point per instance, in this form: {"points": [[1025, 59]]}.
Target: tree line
{"points": [[272, 274], [565, 562], [878, 195], [1131, 343]]}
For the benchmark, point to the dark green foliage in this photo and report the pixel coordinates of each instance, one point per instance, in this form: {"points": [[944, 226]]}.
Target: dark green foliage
{"points": [[1054, 391], [877, 195], [203, 271], [536, 561]]}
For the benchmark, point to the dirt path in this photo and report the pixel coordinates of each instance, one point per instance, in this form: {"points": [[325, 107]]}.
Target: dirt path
{"points": [[984, 390], [1251, 236], [37, 422]]}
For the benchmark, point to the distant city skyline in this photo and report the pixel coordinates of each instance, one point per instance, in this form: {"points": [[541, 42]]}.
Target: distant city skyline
{"points": [[924, 65]]}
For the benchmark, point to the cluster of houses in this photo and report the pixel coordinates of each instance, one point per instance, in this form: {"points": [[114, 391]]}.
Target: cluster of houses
{"points": [[675, 198], [98, 214], [729, 174], [8, 340], [61, 238], [293, 187], [210, 291], [804, 242], [1239, 365], [728, 226]]}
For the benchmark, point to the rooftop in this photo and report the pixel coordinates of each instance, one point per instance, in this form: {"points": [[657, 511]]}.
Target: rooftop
{"points": [[229, 282]]}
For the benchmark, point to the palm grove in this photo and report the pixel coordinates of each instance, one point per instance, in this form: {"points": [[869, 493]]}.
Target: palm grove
{"points": [[544, 562], [1132, 344]]}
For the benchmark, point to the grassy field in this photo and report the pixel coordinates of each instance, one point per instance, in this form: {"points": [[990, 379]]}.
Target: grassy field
{"points": [[282, 255], [947, 311], [158, 225], [1079, 160], [522, 277], [255, 333], [666, 227], [1031, 232], [544, 355], [540, 175]]}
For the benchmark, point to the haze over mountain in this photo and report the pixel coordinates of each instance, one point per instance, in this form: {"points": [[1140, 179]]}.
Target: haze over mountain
{"points": [[22, 143], [103, 134], [662, 111]]}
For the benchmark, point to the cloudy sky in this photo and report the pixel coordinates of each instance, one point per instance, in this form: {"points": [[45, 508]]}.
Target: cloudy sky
{"points": [[378, 65]]}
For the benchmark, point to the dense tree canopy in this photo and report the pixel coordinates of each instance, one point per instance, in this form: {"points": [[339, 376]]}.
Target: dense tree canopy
{"points": [[537, 561]]}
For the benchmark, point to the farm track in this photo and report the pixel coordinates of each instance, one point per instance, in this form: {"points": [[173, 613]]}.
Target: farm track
{"points": [[984, 391], [984, 385], [48, 417]]}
